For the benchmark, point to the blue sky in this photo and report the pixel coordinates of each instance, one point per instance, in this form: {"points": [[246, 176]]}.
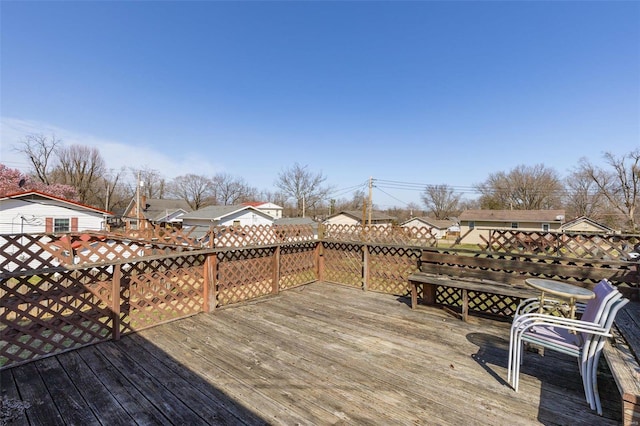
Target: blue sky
{"points": [[422, 92]]}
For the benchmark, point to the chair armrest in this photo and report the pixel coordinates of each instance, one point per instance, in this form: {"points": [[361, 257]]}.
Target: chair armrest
{"points": [[526, 321]]}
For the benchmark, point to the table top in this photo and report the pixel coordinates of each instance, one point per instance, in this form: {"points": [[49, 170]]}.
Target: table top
{"points": [[560, 288]]}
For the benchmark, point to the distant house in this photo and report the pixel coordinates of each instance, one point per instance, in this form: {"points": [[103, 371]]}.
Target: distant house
{"points": [[438, 228], [156, 211], [34, 212], [235, 215], [298, 221], [271, 209], [354, 217], [585, 224], [474, 223]]}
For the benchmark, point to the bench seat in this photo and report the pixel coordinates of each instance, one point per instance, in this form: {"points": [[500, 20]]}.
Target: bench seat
{"points": [[425, 284]]}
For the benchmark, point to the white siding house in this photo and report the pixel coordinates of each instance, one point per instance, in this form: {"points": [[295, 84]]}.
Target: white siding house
{"points": [[227, 216], [34, 212], [437, 227], [271, 209]]}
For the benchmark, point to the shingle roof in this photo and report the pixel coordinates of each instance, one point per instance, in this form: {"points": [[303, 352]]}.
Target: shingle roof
{"points": [[219, 212], [513, 215], [161, 208], [38, 194], [436, 223]]}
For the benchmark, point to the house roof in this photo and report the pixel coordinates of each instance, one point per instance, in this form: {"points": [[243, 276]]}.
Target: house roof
{"points": [[356, 214], [295, 221], [435, 223], [220, 212], [513, 215], [581, 219], [25, 195], [263, 205], [161, 208]]}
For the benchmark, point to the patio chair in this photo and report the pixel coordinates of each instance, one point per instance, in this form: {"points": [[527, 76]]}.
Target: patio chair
{"points": [[583, 339], [551, 304]]}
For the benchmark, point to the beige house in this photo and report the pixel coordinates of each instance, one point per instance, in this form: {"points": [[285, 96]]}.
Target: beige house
{"points": [[354, 217], [437, 227], [583, 224], [477, 223]]}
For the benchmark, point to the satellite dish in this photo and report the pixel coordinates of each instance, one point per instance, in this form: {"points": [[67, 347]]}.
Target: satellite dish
{"points": [[22, 182]]}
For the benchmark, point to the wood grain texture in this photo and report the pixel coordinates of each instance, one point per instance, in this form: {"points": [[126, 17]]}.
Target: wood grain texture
{"points": [[316, 354]]}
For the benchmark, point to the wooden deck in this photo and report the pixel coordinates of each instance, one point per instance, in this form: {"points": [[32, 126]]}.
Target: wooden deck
{"points": [[318, 354]]}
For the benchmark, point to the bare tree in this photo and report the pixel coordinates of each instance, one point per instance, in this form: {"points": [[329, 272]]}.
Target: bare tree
{"points": [[305, 187], [39, 149], [620, 185], [231, 190], [583, 197], [81, 167], [152, 183], [197, 190], [441, 201], [523, 188], [113, 192]]}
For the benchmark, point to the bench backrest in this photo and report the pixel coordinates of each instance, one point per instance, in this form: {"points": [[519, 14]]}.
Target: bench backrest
{"points": [[515, 268]]}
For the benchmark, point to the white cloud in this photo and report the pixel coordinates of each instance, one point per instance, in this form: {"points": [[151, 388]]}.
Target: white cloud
{"points": [[116, 154]]}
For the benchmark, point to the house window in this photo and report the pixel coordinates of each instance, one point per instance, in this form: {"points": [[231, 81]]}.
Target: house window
{"points": [[472, 224], [236, 223], [514, 225], [545, 227], [61, 225]]}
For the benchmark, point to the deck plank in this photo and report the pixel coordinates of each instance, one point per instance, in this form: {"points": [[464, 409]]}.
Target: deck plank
{"points": [[98, 398], [316, 354]]}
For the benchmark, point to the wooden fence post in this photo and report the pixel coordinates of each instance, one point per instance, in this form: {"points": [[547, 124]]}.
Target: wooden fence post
{"points": [[319, 261], [209, 273], [275, 284], [365, 267], [115, 301]]}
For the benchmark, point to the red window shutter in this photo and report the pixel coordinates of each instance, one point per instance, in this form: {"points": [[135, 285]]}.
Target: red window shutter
{"points": [[48, 224], [74, 224]]}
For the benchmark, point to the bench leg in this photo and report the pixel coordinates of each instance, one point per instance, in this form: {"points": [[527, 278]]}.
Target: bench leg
{"points": [[414, 294], [465, 304]]}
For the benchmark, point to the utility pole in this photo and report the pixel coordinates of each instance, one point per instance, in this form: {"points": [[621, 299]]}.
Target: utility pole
{"points": [[370, 198], [138, 202]]}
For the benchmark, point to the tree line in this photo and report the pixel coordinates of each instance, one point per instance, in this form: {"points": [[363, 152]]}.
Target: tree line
{"points": [[607, 192]]}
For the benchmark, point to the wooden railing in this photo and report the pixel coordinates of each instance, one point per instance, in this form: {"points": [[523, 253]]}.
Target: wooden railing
{"points": [[62, 292], [53, 302]]}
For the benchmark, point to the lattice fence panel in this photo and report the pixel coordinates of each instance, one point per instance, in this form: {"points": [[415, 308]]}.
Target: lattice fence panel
{"points": [[390, 267], [294, 233], [574, 245], [21, 252], [495, 304], [167, 289], [381, 234], [486, 303], [244, 275], [243, 236], [343, 263], [297, 265], [162, 235], [53, 312]]}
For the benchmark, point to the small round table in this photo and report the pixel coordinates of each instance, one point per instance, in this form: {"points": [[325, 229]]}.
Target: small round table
{"points": [[561, 289]]}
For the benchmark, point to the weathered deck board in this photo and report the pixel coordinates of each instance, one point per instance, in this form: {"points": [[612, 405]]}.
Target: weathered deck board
{"points": [[316, 354]]}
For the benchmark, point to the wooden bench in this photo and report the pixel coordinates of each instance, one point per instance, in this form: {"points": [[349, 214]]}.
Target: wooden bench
{"points": [[425, 284], [623, 357], [504, 274]]}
